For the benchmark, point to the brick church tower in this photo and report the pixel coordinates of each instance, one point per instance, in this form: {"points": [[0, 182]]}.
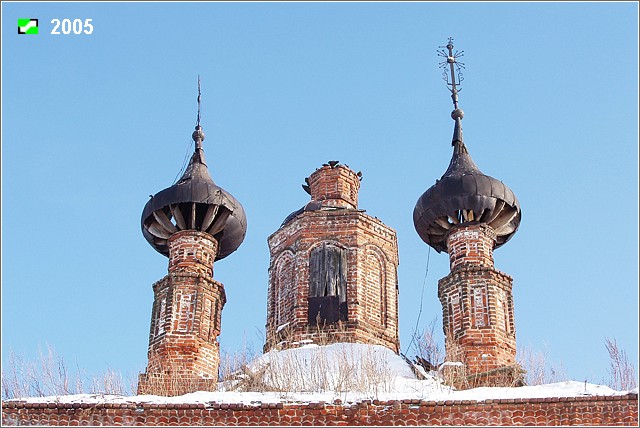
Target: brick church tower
{"points": [[333, 269], [468, 214], [194, 223]]}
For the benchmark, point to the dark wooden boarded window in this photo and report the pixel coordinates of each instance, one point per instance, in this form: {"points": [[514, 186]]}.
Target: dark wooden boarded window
{"points": [[327, 285]]}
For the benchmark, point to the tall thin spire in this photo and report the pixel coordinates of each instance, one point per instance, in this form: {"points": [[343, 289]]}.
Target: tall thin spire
{"points": [[452, 69], [199, 95], [198, 134]]}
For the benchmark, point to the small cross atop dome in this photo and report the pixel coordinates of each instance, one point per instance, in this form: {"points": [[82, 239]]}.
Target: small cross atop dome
{"points": [[463, 194]]}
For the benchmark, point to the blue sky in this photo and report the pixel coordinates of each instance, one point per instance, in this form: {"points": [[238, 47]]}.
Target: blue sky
{"points": [[94, 124]]}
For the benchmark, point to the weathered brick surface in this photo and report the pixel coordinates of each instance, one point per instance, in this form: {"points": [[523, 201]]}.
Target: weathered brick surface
{"points": [[590, 411], [184, 354], [337, 186], [477, 307], [371, 257]]}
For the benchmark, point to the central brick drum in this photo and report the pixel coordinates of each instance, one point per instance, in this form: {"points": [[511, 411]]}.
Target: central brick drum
{"points": [[333, 270]]}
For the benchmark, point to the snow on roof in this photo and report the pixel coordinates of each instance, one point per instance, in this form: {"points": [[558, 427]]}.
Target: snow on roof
{"points": [[349, 372]]}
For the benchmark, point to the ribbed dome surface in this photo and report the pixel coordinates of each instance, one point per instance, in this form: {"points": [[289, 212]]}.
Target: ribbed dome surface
{"points": [[465, 195], [195, 202]]}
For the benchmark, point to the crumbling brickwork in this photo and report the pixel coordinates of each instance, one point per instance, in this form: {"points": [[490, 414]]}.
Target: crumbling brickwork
{"points": [[333, 270], [336, 186], [477, 308], [184, 354]]}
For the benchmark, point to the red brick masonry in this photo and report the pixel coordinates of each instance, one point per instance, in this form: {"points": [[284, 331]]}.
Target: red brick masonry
{"points": [[619, 410]]}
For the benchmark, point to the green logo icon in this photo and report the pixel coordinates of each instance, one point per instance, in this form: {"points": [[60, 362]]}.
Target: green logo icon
{"points": [[27, 26]]}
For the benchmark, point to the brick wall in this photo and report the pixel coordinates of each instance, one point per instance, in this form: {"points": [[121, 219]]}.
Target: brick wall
{"points": [[471, 245], [372, 294], [183, 353], [477, 309], [338, 186], [600, 410], [368, 248]]}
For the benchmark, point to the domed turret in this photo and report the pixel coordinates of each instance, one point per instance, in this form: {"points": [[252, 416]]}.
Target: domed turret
{"points": [[194, 223], [464, 194], [195, 202], [468, 214]]}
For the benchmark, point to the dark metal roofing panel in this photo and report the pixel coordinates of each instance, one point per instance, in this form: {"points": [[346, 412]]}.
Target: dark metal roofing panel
{"points": [[464, 187], [469, 186], [196, 185], [484, 185], [310, 206]]}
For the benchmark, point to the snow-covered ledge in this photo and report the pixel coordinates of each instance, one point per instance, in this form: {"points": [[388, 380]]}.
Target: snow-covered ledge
{"points": [[336, 384]]}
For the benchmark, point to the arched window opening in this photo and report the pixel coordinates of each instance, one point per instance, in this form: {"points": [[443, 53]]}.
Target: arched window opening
{"points": [[327, 285]]}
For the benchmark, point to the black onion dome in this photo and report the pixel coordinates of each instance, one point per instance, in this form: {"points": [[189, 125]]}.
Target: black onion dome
{"points": [[465, 195], [195, 202]]}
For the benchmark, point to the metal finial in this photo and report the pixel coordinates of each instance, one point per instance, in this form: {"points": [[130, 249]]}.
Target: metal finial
{"points": [[199, 94], [452, 69], [198, 134]]}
